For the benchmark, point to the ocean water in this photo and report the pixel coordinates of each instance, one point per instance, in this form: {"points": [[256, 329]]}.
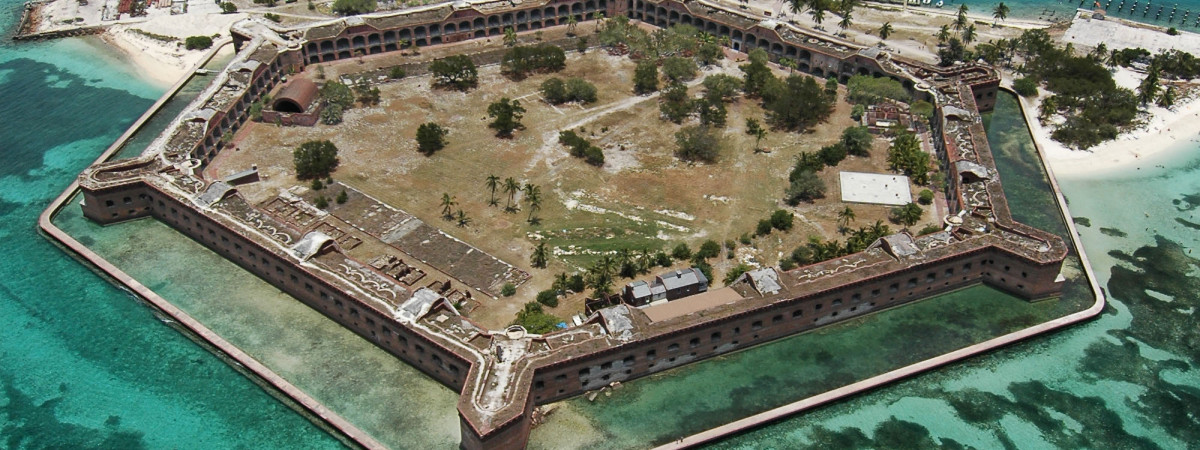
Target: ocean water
{"points": [[82, 363], [1059, 10]]}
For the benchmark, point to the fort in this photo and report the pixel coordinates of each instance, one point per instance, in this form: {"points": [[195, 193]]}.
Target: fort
{"points": [[503, 374]]}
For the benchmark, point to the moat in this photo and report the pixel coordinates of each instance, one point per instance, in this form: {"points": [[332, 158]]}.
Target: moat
{"points": [[896, 248]]}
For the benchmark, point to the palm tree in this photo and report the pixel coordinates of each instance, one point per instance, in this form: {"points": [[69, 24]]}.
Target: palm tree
{"points": [[789, 63], [961, 21], [1000, 13], [462, 219], [571, 22], [448, 203], [492, 183], [846, 21], [845, 216], [539, 256], [533, 193], [817, 13], [968, 34], [886, 30], [943, 34], [599, 22], [511, 187], [510, 37]]}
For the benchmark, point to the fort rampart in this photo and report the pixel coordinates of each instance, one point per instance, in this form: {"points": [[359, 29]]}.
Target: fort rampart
{"points": [[502, 375]]}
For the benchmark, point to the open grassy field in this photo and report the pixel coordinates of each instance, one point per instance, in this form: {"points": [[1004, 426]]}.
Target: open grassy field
{"points": [[642, 198]]}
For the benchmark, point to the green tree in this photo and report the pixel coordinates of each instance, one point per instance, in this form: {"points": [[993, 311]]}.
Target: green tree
{"points": [[645, 77], [448, 204], [534, 320], [554, 91], [952, 53], [674, 103], [315, 159], [580, 90], [1148, 89], [735, 273], [571, 24], [943, 34], [457, 72], [461, 219], [885, 30], [708, 249], [507, 114], [868, 90], [755, 129], [511, 187], [1167, 99], [697, 143], [763, 228], [756, 73], [968, 34], [844, 217], [857, 141], [846, 21], [1000, 13], [342, 198], [533, 195], [538, 259], [908, 214], [679, 69], [925, 197], [905, 155], [806, 186], [509, 290], [712, 112], [799, 104], [1025, 86], [681, 252], [431, 137], [961, 20], [492, 183], [548, 297], [782, 219], [332, 114]]}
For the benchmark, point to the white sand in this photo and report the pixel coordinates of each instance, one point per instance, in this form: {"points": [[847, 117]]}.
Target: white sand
{"points": [[1164, 130], [166, 62]]}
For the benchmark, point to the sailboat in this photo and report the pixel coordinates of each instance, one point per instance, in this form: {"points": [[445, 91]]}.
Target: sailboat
{"points": [[940, 3]]}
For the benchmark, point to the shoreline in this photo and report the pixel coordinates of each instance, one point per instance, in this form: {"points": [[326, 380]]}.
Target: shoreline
{"points": [[1165, 132]]}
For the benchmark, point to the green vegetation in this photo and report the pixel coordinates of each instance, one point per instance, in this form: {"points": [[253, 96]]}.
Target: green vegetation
{"points": [[228, 8], [548, 297], [925, 197], [352, 7], [198, 42], [273, 17], [782, 219], [867, 90], [581, 148], [336, 98], [456, 72], [857, 141], [681, 252], [315, 159], [697, 143], [521, 61], [679, 69], [1025, 86], [342, 197], [535, 320], [905, 155], [796, 103], [908, 214], [507, 114], [708, 249], [508, 290], [645, 77], [431, 137], [735, 273], [675, 105], [816, 250], [556, 92], [397, 73]]}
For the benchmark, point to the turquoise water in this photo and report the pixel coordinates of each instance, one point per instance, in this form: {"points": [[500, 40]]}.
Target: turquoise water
{"points": [[1055, 10], [82, 363], [1126, 380]]}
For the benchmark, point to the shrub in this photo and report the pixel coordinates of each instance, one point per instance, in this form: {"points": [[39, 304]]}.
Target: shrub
{"points": [[331, 115], [708, 249], [518, 62], [735, 273], [228, 8], [661, 259], [508, 290], [857, 112], [1172, 31], [679, 69], [342, 197], [857, 141], [925, 197], [782, 219], [681, 252], [535, 320], [576, 283], [197, 42], [806, 186], [548, 297], [581, 148], [868, 90], [645, 77], [922, 108], [580, 90], [273, 17], [321, 202], [352, 7], [457, 72], [697, 143], [397, 73], [315, 159], [786, 264], [1025, 86], [763, 228], [431, 137], [832, 154], [554, 91], [317, 185], [929, 229]]}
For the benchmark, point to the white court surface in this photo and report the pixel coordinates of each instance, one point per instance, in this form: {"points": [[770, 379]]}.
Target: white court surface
{"points": [[875, 188]]}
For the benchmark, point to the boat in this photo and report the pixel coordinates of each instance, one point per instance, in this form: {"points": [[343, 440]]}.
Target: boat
{"points": [[940, 3]]}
